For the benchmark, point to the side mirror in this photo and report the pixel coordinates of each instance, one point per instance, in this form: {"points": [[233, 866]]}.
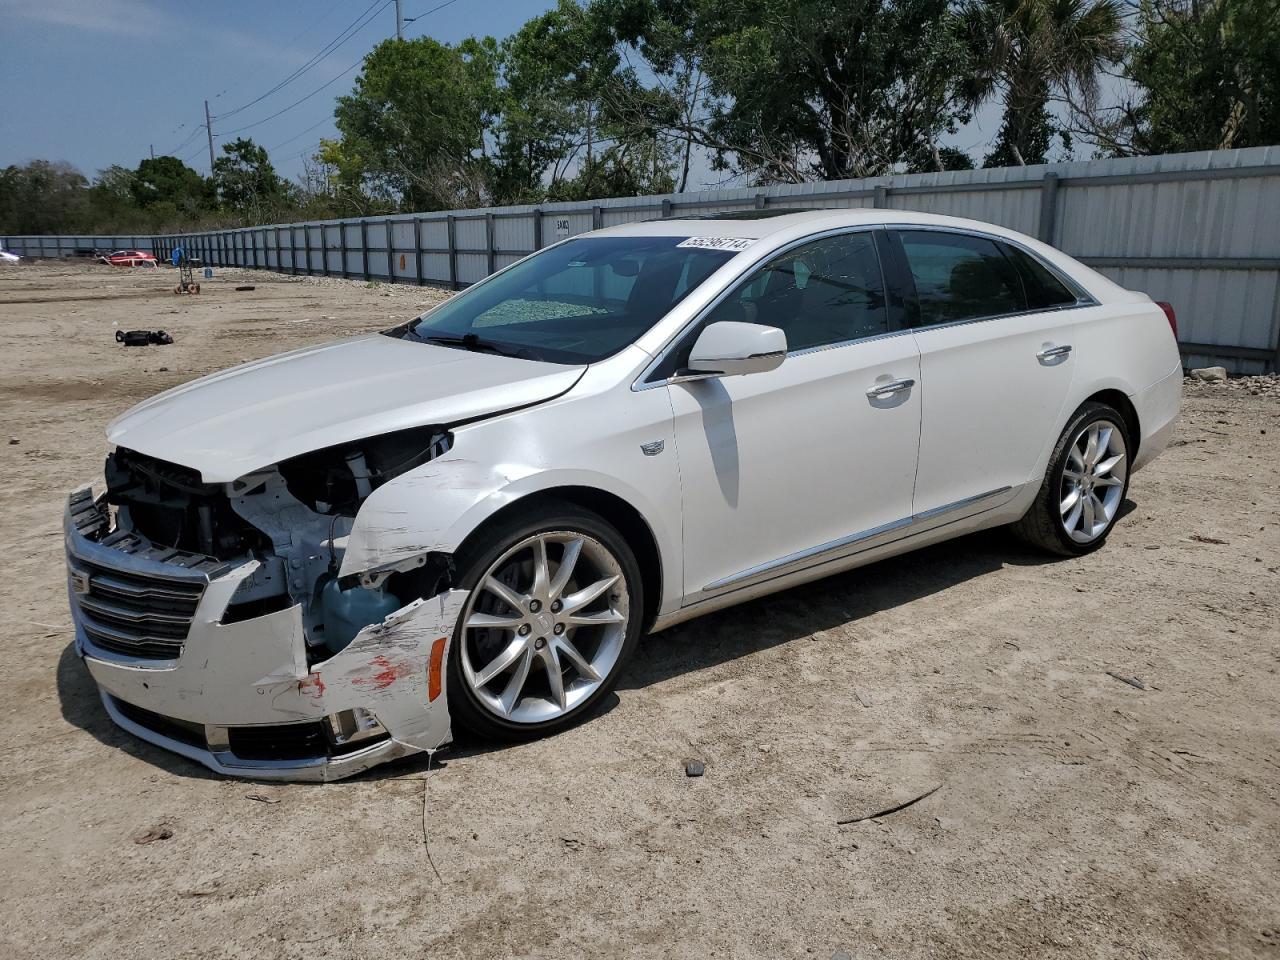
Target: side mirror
{"points": [[730, 348]]}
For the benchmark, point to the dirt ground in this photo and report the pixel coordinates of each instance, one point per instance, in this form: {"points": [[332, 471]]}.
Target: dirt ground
{"points": [[1075, 815]]}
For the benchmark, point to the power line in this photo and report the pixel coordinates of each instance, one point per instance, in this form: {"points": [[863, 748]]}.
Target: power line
{"points": [[258, 123], [360, 22], [283, 143], [182, 146], [326, 84], [431, 11]]}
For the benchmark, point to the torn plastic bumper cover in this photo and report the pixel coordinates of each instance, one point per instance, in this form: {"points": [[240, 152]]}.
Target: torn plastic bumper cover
{"points": [[240, 697]]}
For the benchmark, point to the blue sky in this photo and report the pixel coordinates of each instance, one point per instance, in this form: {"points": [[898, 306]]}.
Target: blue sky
{"points": [[97, 82]]}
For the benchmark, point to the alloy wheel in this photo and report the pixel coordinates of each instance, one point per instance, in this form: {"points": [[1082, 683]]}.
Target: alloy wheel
{"points": [[544, 627], [1093, 480]]}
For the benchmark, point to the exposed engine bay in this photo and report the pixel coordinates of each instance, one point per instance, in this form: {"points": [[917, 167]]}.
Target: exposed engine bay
{"points": [[291, 521]]}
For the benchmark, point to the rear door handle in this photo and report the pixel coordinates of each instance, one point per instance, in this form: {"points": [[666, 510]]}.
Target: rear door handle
{"points": [[883, 391], [1051, 353]]}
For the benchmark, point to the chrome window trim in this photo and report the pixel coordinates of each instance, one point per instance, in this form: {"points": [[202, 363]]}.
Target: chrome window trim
{"points": [[642, 381], [830, 551]]}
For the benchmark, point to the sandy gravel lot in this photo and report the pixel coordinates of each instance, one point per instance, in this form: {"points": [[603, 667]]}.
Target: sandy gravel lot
{"points": [[1076, 816]]}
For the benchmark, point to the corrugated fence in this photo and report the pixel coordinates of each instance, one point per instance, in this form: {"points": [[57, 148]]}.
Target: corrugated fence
{"points": [[1201, 230]]}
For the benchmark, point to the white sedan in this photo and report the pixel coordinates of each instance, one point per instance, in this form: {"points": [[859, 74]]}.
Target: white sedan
{"points": [[317, 562]]}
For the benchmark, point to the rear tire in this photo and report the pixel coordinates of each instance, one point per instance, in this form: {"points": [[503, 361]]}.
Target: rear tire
{"points": [[1087, 480], [538, 649]]}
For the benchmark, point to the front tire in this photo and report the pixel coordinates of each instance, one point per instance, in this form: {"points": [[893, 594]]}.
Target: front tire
{"points": [[554, 611], [1088, 477]]}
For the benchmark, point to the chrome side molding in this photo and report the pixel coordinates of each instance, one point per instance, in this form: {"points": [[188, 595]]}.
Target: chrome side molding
{"points": [[838, 549]]}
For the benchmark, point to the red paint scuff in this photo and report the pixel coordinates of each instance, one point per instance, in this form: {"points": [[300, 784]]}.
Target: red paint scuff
{"points": [[387, 673], [311, 684]]}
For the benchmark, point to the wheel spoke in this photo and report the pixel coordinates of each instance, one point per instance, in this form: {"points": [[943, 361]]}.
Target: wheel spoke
{"points": [[504, 593], [594, 618], [568, 560], [579, 599], [1070, 500], [1091, 447], [1104, 442], [1073, 474], [555, 678], [492, 621], [506, 658], [1107, 481], [515, 686], [1087, 503], [1106, 466], [1076, 458], [541, 568], [579, 662], [1099, 510], [1072, 520]]}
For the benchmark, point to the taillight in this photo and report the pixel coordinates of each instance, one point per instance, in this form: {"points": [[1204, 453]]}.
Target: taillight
{"points": [[1170, 315]]}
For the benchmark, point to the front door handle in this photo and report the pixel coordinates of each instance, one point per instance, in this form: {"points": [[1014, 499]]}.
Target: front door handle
{"points": [[1052, 353], [883, 391]]}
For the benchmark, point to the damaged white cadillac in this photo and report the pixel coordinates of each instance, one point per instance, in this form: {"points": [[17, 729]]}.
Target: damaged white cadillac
{"points": [[307, 565]]}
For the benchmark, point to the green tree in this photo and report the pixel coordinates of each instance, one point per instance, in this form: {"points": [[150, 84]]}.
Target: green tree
{"points": [[418, 118], [245, 180], [566, 127], [804, 89], [167, 183], [1210, 77], [42, 197], [1025, 52]]}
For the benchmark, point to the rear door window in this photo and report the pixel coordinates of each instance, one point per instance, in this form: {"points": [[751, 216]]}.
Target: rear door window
{"points": [[960, 277]]}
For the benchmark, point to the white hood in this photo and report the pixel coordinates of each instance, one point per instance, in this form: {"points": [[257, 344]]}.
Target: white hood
{"points": [[231, 423]]}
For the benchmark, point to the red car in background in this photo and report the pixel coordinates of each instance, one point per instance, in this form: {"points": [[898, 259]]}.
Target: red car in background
{"points": [[130, 258]]}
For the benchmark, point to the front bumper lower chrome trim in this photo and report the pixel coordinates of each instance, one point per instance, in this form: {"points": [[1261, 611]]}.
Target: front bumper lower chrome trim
{"points": [[220, 759]]}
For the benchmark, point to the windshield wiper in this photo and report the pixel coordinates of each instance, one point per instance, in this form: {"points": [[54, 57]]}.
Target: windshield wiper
{"points": [[468, 341]]}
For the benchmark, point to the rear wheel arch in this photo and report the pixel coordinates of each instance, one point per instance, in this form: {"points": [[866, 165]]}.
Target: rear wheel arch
{"points": [[622, 515], [1118, 401]]}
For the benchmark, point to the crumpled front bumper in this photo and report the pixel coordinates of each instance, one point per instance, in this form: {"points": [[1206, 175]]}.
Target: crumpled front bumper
{"points": [[240, 697]]}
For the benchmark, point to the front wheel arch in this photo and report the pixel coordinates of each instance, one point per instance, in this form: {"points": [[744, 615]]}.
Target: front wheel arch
{"points": [[625, 517]]}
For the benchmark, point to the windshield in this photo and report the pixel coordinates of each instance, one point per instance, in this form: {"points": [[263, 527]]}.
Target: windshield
{"points": [[577, 302]]}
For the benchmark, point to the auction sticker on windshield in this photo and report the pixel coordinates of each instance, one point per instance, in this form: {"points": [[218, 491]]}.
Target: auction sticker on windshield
{"points": [[716, 243]]}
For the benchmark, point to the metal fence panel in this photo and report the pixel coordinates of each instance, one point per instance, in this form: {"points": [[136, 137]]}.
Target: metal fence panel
{"points": [[1200, 230]]}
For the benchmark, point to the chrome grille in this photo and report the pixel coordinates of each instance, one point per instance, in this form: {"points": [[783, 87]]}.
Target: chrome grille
{"points": [[137, 614]]}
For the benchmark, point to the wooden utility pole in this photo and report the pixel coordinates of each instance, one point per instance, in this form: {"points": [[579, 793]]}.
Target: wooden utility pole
{"points": [[208, 128]]}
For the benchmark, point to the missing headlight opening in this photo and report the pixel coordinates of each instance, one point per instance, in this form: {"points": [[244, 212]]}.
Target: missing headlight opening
{"points": [[335, 480], [291, 521]]}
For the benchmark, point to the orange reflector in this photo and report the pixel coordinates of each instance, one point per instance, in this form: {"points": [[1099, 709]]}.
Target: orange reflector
{"points": [[435, 674]]}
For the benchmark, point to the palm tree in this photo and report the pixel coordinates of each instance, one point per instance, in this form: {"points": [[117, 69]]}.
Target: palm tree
{"points": [[1026, 50]]}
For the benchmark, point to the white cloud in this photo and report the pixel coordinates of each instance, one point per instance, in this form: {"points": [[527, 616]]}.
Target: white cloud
{"points": [[120, 17]]}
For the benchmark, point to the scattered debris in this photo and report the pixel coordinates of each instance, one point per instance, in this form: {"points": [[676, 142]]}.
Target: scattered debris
{"points": [[863, 698], [1202, 539], [154, 834], [1131, 681], [14, 441], [889, 810], [1210, 374], [1010, 643], [247, 286], [142, 338], [261, 798], [694, 768]]}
